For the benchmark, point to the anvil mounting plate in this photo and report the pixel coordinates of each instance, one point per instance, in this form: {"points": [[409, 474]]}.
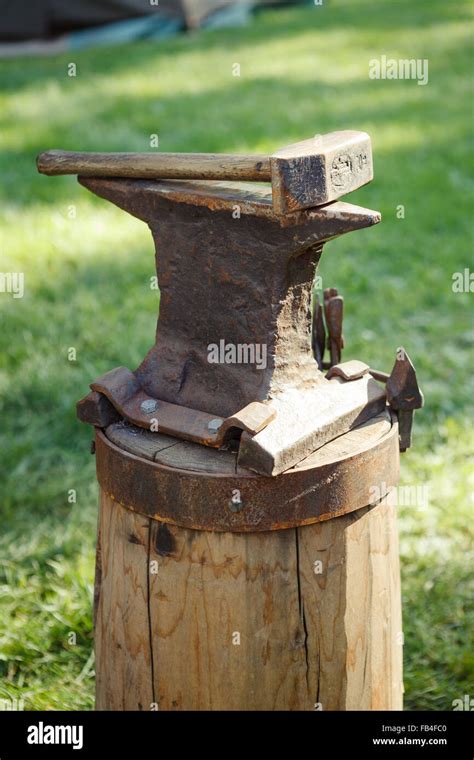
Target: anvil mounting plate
{"points": [[307, 419], [275, 435], [122, 389]]}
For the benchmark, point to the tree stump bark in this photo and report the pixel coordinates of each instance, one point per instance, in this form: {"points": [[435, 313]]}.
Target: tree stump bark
{"points": [[305, 618]]}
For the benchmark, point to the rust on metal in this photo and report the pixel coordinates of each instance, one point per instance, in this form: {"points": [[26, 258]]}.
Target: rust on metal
{"points": [[224, 264], [308, 419], [251, 419], [235, 267], [350, 370], [201, 500], [318, 333], [333, 311], [382, 377], [122, 389], [95, 409], [404, 395]]}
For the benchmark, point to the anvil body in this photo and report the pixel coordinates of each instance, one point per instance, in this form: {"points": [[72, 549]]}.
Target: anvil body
{"points": [[230, 269]]}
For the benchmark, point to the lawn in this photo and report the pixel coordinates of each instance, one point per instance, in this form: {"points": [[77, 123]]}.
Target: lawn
{"points": [[87, 268]]}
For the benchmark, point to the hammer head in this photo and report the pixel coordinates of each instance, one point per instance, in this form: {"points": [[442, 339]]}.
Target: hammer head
{"points": [[320, 170]]}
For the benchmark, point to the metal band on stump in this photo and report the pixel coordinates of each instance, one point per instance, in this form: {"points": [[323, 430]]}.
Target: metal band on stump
{"points": [[337, 479], [301, 619]]}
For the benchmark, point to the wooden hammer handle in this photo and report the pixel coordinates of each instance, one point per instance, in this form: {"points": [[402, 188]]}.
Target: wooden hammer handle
{"points": [[157, 165]]}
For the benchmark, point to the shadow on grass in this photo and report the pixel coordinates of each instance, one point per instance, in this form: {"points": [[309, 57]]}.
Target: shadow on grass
{"points": [[344, 15], [351, 105]]}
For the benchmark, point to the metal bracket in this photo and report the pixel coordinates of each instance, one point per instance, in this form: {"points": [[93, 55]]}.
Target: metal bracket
{"points": [[334, 482], [309, 418], [275, 435], [351, 370], [122, 389]]}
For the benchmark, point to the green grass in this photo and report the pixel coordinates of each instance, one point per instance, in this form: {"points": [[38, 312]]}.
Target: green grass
{"points": [[87, 286]]}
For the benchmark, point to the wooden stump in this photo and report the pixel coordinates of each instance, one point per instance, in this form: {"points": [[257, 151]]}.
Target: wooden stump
{"points": [[298, 619]]}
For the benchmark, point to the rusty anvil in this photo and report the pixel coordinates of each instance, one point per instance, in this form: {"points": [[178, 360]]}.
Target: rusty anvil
{"points": [[235, 270]]}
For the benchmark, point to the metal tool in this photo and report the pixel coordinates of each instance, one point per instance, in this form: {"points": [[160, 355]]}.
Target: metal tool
{"points": [[404, 395], [303, 175], [333, 311], [318, 333]]}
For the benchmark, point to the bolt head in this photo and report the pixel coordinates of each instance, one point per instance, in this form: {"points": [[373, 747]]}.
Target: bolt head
{"points": [[214, 425], [148, 406]]}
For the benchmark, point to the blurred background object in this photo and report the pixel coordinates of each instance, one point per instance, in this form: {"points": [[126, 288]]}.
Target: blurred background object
{"points": [[51, 26]]}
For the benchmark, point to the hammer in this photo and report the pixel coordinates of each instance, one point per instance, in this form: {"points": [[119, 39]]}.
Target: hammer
{"points": [[305, 174]]}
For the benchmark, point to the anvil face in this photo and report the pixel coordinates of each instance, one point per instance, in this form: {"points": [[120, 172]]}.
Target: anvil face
{"points": [[236, 282]]}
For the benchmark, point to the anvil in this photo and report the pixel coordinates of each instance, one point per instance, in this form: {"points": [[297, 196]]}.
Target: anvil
{"points": [[232, 269]]}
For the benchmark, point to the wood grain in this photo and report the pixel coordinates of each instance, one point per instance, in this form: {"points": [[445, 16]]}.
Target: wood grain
{"points": [[352, 610], [192, 456], [226, 630], [156, 165], [171, 451], [319, 170], [303, 175], [191, 486], [122, 639], [308, 640]]}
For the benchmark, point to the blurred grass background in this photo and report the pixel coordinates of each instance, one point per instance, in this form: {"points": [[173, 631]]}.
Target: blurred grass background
{"points": [[303, 71]]}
